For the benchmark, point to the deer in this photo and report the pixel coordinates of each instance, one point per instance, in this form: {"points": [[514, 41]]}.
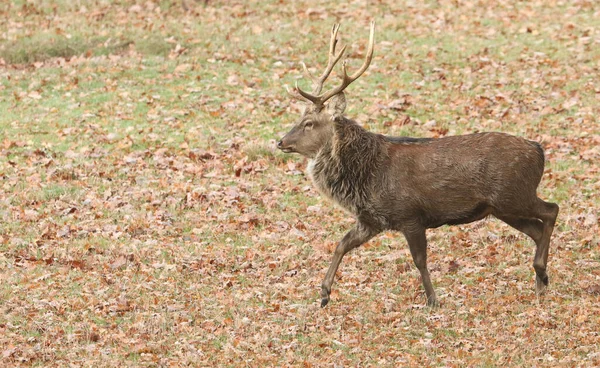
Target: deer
{"points": [[409, 185]]}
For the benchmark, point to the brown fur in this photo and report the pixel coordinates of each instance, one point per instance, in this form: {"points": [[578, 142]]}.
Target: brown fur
{"points": [[410, 185]]}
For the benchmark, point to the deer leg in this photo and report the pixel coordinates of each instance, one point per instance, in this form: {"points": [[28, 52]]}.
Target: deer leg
{"points": [[533, 228], [540, 230], [417, 242], [359, 235], [547, 213]]}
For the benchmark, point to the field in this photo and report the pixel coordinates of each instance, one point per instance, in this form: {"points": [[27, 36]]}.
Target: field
{"points": [[147, 219]]}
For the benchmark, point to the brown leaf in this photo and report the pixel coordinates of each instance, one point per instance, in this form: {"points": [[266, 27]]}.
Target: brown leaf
{"points": [[593, 289], [76, 264], [118, 263], [453, 266], [7, 353]]}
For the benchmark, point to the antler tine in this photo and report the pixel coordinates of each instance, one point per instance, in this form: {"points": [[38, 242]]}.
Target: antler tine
{"points": [[330, 64], [349, 79], [319, 100], [307, 72], [332, 60]]}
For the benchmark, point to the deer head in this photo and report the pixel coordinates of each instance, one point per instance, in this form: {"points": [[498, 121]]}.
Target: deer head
{"points": [[315, 128]]}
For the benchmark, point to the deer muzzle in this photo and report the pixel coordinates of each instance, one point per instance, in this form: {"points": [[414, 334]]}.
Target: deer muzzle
{"points": [[284, 147]]}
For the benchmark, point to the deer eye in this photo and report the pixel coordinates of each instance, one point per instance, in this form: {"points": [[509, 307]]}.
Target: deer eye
{"points": [[308, 125]]}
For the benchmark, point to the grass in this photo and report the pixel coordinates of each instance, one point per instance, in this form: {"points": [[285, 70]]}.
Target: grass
{"points": [[41, 47], [147, 219]]}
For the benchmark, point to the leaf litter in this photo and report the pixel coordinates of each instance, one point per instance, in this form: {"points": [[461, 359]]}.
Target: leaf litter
{"points": [[148, 220]]}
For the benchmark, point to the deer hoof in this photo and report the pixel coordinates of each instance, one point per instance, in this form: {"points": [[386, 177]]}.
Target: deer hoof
{"points": [[540, 284], [325, 291], [433, 303]]}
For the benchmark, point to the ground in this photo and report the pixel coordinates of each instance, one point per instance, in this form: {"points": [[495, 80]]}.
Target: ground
{"points": [[146, 218]]}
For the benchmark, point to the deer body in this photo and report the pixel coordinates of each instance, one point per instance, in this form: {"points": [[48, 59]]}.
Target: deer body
{"points": [[394, 182], [410, 184]]}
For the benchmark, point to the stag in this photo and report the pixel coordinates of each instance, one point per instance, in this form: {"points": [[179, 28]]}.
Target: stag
{"points": [[414, 184]]}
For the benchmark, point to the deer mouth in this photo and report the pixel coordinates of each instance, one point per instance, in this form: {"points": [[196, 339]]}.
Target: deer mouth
{"points": [[285, 149]]}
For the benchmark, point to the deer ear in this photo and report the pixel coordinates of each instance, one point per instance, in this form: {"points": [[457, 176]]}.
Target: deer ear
{"points": [[337, 104]]}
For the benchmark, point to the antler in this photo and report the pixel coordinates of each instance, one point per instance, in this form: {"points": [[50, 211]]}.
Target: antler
{"points": [[333, 59], [320, 99]]}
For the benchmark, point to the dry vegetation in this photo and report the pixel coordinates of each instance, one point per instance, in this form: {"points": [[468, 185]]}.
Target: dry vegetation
{"points": [[146, 219]]}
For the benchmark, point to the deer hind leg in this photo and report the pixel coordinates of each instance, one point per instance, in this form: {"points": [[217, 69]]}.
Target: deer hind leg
{"points": [[417, 242], [540, 230], [533, 228], [359, 235], [547, 212]]}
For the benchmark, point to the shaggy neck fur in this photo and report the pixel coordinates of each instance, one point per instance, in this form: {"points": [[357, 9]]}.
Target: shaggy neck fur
{"points": [[343, 169]]}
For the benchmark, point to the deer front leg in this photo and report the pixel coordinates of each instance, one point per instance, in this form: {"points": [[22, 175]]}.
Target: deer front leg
{"points": [[359, 235], [417, 242]]}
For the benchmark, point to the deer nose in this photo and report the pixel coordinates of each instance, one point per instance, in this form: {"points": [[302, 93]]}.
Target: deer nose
{"points": [[280, 144]]}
